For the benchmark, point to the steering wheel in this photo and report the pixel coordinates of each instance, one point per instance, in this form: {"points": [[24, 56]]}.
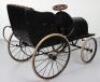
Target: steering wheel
{"points": [[60, 7]]}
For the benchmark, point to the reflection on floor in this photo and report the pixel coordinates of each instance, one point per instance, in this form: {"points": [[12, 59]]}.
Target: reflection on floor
{"points": [[76, 71]]}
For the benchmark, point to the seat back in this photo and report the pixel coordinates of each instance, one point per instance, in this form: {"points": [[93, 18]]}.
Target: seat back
{"points": [[37, 24], [64, 22], [18, 16], [21, 17]]}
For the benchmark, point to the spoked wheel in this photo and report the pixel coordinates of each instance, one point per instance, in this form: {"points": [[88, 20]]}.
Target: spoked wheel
{"points": [[18, 51], [51, 56], [5, 32], [89, 49]]}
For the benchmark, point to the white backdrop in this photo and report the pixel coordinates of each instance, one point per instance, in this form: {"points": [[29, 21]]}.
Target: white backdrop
{"points": [[89, 9]]}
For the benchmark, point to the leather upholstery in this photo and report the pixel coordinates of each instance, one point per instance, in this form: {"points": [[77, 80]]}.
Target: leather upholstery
{"points": [[39, 24]]}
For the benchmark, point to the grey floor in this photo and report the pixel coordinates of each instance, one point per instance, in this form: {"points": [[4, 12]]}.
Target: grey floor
{"points": [[76, 71]]}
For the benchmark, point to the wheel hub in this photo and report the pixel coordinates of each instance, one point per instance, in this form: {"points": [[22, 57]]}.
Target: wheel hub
{"points": [[52, 56]]}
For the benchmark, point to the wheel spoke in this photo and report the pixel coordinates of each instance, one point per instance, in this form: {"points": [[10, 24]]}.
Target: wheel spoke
{"points": [[52, 69], [61, 59], [53, 48], [61, 47], [42, 62], [44, 66], [17, 52], [57, 66], [13, 49], [60, 63]]}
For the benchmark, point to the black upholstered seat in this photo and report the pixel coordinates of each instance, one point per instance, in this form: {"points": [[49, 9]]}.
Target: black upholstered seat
{"points": [[63, 22], [36, 24], [22, 16]]}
